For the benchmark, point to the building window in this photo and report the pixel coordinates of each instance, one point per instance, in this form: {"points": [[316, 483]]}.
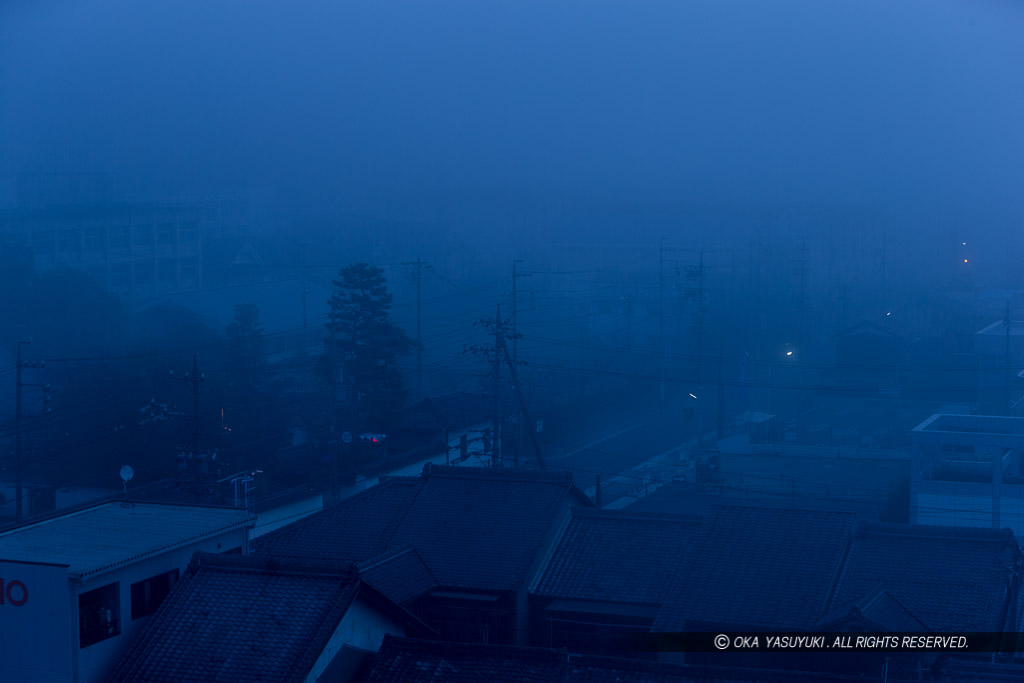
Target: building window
{"points": [[147, 595], [99, 614]]}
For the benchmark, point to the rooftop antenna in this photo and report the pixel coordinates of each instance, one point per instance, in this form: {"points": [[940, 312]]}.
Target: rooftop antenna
{"points": [[126, 476]]}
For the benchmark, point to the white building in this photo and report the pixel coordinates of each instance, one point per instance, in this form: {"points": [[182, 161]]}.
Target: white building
{"points": [[77, 587], [968, 470]]}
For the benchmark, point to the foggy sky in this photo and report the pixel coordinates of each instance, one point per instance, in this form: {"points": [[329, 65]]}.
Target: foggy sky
{"points": [[427, 108]]}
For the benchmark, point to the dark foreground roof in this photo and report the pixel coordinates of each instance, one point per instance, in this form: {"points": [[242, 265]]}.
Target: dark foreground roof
{"points": [[617, 556], [234, 618], [402, 660], [474, 528], [952, 579], [759, 568]]}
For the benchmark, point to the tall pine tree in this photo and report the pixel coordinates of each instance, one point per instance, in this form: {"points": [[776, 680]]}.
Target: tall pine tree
{"points": [[367, 346]]}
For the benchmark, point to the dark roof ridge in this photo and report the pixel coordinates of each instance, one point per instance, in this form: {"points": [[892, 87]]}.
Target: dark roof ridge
{"points": [[800, 511], [381, 558], [271, 564], [934, 531], [503, 473], [435, 646], [630, 515], [391, 554]]}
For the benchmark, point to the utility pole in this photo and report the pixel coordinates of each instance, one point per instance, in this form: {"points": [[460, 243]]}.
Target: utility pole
{"points": [[418, 263], [522, 406], [500, 355], [1006, 370], [17, 435], [419, 328], [518, 435], [699, 326], [499, 343], [661, 316], [305, 293], [696, 273], [802, 313], [18, 453], [629, 321], [196, 459], [721, 396]]}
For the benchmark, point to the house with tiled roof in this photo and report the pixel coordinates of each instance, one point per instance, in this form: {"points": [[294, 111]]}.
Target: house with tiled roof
{"points": [[755, 568], [875, 612], [949, 578], [479, 536], [234, 618], [608, 573], [802, 570]]}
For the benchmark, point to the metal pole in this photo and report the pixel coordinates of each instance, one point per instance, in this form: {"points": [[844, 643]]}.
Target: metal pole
{"points": [[18, 512]]}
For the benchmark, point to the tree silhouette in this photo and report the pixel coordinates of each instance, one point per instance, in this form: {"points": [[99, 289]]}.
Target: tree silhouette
{"points": [[367, 345]]}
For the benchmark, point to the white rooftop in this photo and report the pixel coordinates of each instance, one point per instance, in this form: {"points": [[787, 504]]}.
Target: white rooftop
{"points": [[115, 533]]}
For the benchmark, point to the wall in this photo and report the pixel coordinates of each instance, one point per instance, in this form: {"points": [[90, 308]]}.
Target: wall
{"points": [[34, 636], [362, 627]]}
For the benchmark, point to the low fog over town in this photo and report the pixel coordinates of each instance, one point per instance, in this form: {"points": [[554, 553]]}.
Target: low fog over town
{"points": [[655, 342]]}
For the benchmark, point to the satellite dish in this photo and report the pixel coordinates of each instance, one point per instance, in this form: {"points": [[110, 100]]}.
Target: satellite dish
{"points": [[127, 473]]}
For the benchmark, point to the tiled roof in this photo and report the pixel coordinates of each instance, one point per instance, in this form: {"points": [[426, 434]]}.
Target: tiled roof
{"points": [[759, 567], [593, 669], [113, 533], [420, 661], [234, 618], [355, 529], [952, 579], [616, 556], [882, 611], [399, 574], [474, 528]]}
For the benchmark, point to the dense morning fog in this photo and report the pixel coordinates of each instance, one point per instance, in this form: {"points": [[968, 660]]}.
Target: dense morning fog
{"points": [[655, 342]]}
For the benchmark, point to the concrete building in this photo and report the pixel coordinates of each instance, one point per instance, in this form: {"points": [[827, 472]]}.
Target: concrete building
{"points": [[136, 250], [78, 587], [968, 470], [1000, 359]]}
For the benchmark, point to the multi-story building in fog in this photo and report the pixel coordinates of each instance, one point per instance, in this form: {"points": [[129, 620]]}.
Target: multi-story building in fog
{"points": [[138, 250]]}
